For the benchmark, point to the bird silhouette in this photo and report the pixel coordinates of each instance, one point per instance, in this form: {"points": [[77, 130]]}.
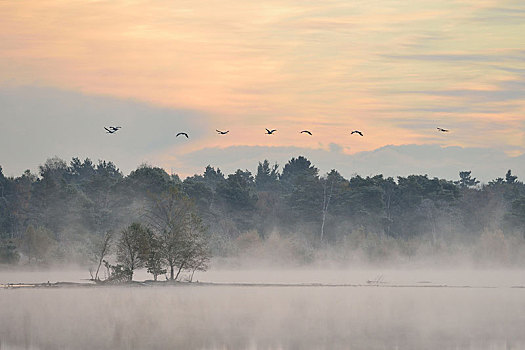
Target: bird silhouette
{"points": [[115, 128], [356, 132], [306, 132], [222, 132], [442, 130], [269, 132], [110, 131], [182, 133]]}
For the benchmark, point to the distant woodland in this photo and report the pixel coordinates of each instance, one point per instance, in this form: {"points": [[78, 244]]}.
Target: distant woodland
{"points": [[66, 211]]}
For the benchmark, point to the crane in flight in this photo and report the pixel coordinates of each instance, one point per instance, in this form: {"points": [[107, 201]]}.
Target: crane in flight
{"points": [[183, 134], [222, 132], [356, 132], [306, 132], [270, 132], [442, 130]]}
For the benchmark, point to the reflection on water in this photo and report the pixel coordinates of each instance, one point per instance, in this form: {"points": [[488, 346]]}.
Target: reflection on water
{"points": [[225, 317]]}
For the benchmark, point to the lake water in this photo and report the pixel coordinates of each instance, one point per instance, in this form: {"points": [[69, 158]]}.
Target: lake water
{"points": [[411, 309]]}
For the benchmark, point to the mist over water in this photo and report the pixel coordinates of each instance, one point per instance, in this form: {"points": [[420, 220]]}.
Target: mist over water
{"points": [[388, 264], [412, 309], [412, 263]]}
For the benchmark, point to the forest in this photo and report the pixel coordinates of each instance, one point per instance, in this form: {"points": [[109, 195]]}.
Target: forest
{"points": [[71, 212]]}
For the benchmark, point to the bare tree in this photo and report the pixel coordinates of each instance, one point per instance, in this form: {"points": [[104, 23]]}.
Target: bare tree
{"points": [[193, 249], [101, 250], [200, 258], [180, 230], [333, 185], [167, 216], [327, 196]]}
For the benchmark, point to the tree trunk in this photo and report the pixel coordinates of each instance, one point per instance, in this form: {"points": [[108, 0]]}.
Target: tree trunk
{"points": [[322, 225], [178, 272], [98, 267], [326, 202], [172, 272], [105, 246]]}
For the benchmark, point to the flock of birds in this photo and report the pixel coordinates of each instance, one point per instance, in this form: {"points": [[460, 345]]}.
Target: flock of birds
{"points": [[114, 129]]}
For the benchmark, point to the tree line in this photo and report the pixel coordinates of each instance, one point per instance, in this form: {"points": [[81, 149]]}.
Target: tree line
{"points": [[64, 210]]}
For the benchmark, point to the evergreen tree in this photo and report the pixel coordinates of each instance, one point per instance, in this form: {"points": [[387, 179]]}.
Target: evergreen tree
{"points": [[509, 178], [267, 178], [465, 180]]}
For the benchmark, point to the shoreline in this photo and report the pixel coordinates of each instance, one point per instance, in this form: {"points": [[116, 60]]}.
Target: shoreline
{"points": [[215, 284]]}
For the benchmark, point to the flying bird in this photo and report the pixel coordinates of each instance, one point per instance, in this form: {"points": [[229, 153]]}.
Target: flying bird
{"points": [[222, 132], [356, 132], [182, 133], [110, 131], [442, 130], [115, 128], [306, 132], [269, 132]]}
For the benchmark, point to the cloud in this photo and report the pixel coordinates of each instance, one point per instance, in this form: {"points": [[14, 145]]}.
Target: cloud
{"points": [[38, 123], [443, 162], [479, 95], [393, 69], [446, 57]]}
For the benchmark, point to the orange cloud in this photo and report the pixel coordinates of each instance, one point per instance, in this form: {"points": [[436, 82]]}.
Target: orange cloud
{"points": [[331, 66]]}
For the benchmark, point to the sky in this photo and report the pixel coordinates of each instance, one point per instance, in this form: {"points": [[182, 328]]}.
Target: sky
{"points": [[395, 70]]}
